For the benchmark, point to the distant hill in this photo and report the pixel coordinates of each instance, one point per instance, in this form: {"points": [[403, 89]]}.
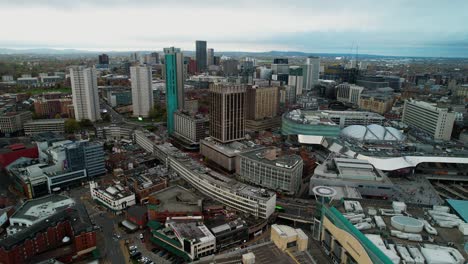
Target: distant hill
{"points": [[274, 53]]}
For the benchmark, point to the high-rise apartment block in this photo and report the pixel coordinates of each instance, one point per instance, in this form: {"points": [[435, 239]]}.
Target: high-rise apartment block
{"points": [[296, 78], [311, 72], [175, 97], [437, 122], [200, 54], [227, 112], [142, 91], [85, 93]]}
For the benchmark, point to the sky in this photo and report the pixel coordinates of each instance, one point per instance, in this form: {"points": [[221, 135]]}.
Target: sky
{"points": [[435, 28]]}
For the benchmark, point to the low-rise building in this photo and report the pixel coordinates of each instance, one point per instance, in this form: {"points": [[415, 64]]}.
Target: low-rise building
{"points": [[13, 122], [34, 211], [116, 197], [67, 235], [288, 238], [143, 184], [232, 233], [271, 169], [186, 235], [173, 201], [44, 125]]}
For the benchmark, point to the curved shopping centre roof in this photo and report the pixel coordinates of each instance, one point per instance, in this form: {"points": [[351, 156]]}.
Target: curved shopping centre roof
{"points": [[372, 133]]}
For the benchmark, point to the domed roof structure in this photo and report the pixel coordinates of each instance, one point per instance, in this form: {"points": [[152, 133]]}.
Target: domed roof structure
{"points": [[372, 133]]}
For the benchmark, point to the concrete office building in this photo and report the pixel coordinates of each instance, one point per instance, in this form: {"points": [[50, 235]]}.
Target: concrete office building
{"points": [[189, 127], [311, 72], [296, 78], [85, 93], [262, 108], [200, 55], [349, 93], [142, 91], [271, 169], [12, 122], [227, 112], [86, 155], [44, 125], [437, 122], [175, 96], [230, 67], [210, 57]]}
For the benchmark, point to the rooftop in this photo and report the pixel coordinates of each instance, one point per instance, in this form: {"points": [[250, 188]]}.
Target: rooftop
{"points": [[43, 207], [190, 230], [274, 157], [178, 199]]}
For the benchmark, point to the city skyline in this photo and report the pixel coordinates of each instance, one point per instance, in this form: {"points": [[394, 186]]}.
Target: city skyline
{"points": [[397, 28]]}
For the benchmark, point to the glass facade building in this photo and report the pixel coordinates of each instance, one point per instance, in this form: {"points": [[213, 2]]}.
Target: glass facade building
{"points": [[174, 63]]}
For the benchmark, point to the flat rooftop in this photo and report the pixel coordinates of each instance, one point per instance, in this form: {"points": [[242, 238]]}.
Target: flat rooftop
{"points": [[274, 157], [43, 207], [265, 253], [177, 199]]}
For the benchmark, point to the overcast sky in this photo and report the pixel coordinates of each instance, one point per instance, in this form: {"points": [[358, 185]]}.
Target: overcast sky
{"points": [[386, 27]]}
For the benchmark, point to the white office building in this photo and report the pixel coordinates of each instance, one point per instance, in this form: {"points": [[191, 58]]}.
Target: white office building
{"points": [[349, 93], [437, 122], [311, 72], [142, 91], [85, 93]]}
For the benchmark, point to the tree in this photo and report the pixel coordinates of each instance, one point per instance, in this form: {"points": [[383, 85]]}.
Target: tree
{"points": [[106, 118], [58, 116], [85, 123], [71, 125]]}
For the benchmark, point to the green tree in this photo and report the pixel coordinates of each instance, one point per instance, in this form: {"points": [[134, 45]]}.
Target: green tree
{"points": [[86, 123], [71, 125]]}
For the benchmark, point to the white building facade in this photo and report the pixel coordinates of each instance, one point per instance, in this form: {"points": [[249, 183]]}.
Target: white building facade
{"points": [[85, 93], [142, 91]]}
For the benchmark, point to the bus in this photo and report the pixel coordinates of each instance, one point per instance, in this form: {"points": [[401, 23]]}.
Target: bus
{"points": [[279, 209]]}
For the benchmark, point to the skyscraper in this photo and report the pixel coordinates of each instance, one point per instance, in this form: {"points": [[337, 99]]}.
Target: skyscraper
{"points": [[210, 54], [103, 59], [200, 54], [296, 79], [174, 65], [311, 72], [85, 93], [142, 91], [227, 112]]}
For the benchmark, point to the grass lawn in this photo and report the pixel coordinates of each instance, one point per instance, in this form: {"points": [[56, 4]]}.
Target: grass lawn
{"points": [[35, 91]]}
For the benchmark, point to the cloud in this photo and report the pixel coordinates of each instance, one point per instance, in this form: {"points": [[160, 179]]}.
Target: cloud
{"points": [[393, 27]]}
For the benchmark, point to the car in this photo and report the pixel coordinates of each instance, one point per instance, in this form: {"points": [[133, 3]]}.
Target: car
{"points": [[141, 236], [135, 255], [132, 248], [117, 236]]}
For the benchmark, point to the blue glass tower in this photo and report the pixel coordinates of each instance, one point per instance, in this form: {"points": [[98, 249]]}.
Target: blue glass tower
{"points": [[174, 69]]}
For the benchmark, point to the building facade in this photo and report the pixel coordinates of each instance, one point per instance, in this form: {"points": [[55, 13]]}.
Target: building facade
{"points": [[191, 128], [210, 57], [44, 125], [437, 122], [175, 96], [12, 122], [85, 93], [142, 91], [262, 102], [349, 93], [227, 112], [200, 53], [270, 169], [311, 71], [113, 197]]}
